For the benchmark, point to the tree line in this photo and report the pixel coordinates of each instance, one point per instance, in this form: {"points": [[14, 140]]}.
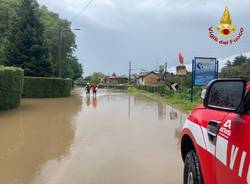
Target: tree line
{"points": [[238, 68], [30, 39]]}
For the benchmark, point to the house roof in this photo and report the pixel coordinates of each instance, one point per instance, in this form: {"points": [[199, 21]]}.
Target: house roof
{"points": [[144, 74]]}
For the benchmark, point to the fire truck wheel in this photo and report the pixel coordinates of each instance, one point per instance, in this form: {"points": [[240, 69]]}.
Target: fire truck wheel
{"points": [[192, 174]]}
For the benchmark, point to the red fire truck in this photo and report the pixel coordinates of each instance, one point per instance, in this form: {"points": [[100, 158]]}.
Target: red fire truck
{"points": [[215, 140]]}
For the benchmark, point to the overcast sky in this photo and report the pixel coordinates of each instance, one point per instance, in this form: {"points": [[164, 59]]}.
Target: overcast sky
{"points": [[115, 32]]}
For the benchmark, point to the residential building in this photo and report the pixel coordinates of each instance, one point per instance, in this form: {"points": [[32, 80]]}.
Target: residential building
{"points": [[148, 78], [114, 79]]}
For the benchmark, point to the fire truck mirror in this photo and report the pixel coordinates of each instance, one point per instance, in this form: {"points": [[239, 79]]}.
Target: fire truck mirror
{"points": [[225, 94], [247, 103]]}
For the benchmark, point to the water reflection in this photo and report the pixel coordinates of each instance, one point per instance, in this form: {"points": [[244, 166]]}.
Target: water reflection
{"points": [[158, 108], [88, 101], [129, 107], [39, 131], [94, 102], [163, 111], [181, 117], [91, 101], [173, 114], [113, 138]]}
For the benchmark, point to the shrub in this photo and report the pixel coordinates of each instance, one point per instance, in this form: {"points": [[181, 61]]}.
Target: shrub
{"points": [[11, 86], [165, 90], [43, 87], [80, 82], [161, 89]]}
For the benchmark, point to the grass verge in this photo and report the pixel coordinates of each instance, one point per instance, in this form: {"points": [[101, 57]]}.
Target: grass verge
{"points": [[177, 100]]}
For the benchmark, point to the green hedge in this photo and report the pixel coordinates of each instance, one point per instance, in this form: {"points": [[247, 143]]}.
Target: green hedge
{"points": [[80, 82], [42, 87], [11, 86], [165, 90], [161, 89]]}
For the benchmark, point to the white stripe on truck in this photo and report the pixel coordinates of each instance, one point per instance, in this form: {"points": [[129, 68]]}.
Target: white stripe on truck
{"points": [[202, 139]]}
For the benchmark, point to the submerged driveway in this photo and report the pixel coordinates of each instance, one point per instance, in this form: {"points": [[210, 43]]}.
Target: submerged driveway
{"points": [[115, 138]]}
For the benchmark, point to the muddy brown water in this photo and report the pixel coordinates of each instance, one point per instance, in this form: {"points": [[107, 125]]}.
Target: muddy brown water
{"points": [[115, 138]]}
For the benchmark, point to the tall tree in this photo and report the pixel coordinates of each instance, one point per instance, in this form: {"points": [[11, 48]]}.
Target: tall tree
{"points": [[7, 12], [25, 46], [53, 26], [97, 77], [73, 69]]}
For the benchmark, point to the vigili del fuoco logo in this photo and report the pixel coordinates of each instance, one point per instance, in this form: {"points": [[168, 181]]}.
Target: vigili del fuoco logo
{"points": [[225, 31]]}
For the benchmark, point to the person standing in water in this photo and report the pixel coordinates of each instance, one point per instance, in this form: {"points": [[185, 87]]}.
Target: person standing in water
{"points": [[87, 88], [94, 89]]}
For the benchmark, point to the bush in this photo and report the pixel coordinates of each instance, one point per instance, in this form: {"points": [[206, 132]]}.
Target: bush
{"points": [[161, 89], [11, 86], [80, 82], [43, 87], [180, 98], [165, 90]]}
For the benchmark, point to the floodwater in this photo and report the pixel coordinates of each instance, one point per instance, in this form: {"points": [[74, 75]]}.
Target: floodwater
{"points": [[115, 138]]}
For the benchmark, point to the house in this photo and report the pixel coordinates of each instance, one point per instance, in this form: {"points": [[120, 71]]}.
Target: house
{"points": [[114, 79], [147, 78]]}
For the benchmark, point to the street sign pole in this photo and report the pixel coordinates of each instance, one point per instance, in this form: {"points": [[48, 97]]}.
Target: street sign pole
{"points": [[192, 82], [192, 91]]}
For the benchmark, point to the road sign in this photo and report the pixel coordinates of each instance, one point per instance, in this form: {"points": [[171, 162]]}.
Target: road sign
{"points": [[204, 70], [174, 86]]}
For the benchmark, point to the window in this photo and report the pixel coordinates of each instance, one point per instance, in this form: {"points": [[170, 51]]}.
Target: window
{"points": [[226, 95]]}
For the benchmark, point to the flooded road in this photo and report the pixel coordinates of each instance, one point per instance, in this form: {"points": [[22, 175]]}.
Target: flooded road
{"points": [[115, 138]]}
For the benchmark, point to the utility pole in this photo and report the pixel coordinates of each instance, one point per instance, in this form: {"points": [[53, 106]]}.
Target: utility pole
{"points": [[166, 67], [129, 72]]}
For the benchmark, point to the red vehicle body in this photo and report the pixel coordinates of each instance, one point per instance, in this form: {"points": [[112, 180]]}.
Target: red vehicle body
{"points": [[223, 157]]}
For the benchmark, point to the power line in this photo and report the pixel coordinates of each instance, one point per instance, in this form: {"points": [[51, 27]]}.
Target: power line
{"points": [[83, 10]]}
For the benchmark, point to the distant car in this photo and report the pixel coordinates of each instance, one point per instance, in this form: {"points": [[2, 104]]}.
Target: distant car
{"points": [[215, 140]]}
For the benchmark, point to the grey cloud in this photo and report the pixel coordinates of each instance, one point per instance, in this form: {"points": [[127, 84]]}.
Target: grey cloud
{"points": [[115, 32]]}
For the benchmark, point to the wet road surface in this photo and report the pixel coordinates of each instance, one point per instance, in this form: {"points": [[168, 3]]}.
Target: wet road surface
{"points": [[115, 138]]}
